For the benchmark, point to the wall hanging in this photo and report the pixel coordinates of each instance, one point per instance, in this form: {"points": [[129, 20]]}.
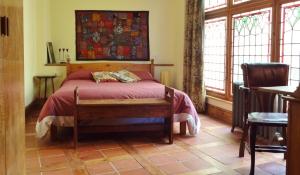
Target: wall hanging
{"points": [[112, 35]]}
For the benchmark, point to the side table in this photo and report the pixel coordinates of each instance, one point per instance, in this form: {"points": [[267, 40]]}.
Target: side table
{"points": [[45, 77]]}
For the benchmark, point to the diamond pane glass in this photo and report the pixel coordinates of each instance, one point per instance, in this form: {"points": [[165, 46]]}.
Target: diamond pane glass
{"points": [[290, 40], [214, 4], [214, 54], [251, 40]]}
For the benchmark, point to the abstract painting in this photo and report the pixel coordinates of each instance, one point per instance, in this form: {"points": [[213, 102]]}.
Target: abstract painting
{"points": [[112, 35]]}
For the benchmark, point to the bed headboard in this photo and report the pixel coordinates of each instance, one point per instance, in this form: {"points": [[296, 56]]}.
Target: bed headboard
{"points": [[111, 66]]}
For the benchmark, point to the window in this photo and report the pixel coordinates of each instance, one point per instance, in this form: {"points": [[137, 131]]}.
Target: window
{"points": [[248, 31], [290, 40], [251, 40], [214, 54], [214, 4]]}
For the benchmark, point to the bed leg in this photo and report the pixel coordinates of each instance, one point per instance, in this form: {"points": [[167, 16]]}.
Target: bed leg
{"points": [[75, 136], [171, 130], [53, 132], [183, 128]]}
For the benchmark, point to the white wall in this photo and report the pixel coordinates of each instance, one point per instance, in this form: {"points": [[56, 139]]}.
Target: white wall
{"points": [[54, 20], [30, 48], [166, 28]]}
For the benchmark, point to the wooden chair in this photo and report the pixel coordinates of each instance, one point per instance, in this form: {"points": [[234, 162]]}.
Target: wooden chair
{"points": [[262, 75]]}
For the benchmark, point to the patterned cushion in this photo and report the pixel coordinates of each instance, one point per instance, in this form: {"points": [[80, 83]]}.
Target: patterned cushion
{"points": [[103, 77], [125, 76]]}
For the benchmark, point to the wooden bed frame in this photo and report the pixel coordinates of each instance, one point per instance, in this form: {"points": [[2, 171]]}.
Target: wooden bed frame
{"points": [[111, 66], [91, 110], [115, 66]]}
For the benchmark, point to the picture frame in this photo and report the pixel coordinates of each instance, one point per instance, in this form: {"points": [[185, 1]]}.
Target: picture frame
{"points": [[50, 53]]}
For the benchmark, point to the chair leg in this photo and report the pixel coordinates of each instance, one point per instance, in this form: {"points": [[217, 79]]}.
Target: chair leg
{"points": [[243, 140], [75, 133], [284, 135], [253, 129]]}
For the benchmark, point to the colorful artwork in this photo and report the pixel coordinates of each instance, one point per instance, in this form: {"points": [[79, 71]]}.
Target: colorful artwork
{"points": [[112, 35]]}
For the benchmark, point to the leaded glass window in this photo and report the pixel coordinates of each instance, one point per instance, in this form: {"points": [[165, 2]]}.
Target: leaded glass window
{"points": [[290, 40], [214, 54], [214, 4], [251, 40]]}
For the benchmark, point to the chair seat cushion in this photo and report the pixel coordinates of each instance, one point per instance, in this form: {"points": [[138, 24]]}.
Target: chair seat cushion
{"points": [[268, 118]]}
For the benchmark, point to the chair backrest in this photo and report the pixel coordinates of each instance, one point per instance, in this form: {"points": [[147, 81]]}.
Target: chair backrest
{"points": [[265, 75]]}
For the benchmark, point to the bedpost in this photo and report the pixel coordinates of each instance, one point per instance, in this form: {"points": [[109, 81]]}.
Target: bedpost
{"points": [[75, 128], [169, 94], [68, 69], [76, 95], [152, 67], [183, 124], [169, 97]]}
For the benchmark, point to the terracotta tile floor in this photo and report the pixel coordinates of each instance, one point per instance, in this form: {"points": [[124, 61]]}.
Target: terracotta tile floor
{"points": [[213, 151]]}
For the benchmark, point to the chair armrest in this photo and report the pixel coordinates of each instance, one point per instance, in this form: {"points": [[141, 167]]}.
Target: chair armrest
{"points": [[245, 89]]}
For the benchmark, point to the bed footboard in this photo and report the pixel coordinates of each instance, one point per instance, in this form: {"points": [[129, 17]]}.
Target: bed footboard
{"points": [[94, 109]]}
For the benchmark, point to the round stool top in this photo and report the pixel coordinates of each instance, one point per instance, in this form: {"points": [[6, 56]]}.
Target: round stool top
{"points": [[45, 76]]}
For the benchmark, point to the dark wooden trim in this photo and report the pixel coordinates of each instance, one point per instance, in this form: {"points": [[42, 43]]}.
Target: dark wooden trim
{"points": [[31, 107], [163, 64], [219, 113]]}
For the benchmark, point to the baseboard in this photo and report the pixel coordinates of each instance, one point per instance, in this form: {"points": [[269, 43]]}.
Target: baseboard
{"points": [[219, 113], [29, 108]]}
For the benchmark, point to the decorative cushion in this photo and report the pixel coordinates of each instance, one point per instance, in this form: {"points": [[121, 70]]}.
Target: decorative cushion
{"points": [[80, 75], [143, 75], [103, 77], [268, 117], [125, 76]]}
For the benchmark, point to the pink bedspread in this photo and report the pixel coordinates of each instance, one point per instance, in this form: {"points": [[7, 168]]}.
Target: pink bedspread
{"points": [[61, 103]]}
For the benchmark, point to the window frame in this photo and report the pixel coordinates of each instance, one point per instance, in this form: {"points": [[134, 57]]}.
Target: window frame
{"points": [[233, 9]]}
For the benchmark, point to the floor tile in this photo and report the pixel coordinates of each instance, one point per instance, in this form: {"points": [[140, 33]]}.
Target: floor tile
{"points": [[246, 171], [100, 168], [174, 168], [114, 152], [196, 164], [90, 155], [161, 159], [272, 167], [51, 152], [183, 155], [54, 162], [140, 171], [126, 164], [58, 172]]}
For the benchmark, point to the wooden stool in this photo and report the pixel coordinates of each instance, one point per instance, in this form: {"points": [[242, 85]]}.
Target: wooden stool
{"points": [[46, 77]]}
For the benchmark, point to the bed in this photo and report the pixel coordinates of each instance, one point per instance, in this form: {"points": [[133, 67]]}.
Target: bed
{"points": [[59, 108]]}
